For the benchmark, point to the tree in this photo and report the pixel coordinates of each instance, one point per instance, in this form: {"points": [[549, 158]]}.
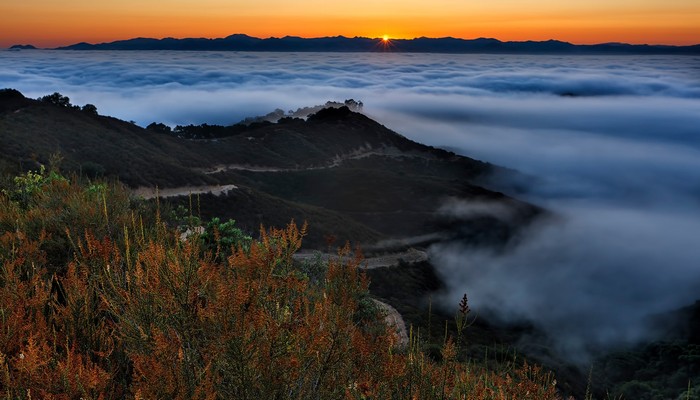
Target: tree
{"points": [[90, 109], [159, 128], [56, 99]]}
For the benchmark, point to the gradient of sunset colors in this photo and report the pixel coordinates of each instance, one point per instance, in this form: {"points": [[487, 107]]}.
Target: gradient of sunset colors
{"points": [[50, 23]]}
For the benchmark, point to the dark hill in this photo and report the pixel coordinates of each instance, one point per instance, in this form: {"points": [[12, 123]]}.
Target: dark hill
{"points": [[22, 47], [345, 173], [32, 131]]}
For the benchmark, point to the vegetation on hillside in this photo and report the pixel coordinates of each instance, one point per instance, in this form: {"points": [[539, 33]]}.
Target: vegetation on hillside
{"points": [[658, 370], [63, 101], [100, 299]]}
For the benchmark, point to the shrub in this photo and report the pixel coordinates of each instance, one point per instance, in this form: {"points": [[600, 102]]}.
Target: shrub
{"points": [[132, 311], [159, 128], [56, 99], [224, 238], [89, 109]]}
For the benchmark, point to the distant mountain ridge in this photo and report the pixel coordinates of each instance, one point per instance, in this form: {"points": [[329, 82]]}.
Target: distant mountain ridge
{"points": [[241, 42]]}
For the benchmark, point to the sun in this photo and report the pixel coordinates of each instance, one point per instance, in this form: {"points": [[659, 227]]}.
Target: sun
{"points": [[385, 43]]}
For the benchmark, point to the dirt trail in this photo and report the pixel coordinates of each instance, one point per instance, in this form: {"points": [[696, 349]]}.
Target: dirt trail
{"points": [[410, 256], [395, 320], [336, 161], [151, 193]]}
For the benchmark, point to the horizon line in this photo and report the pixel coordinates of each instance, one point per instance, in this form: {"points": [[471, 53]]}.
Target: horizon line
{"points": [[380, 38]]}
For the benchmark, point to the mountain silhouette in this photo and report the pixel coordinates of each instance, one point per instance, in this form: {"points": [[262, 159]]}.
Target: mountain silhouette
{"points": [[22, 47], [241, 42]]}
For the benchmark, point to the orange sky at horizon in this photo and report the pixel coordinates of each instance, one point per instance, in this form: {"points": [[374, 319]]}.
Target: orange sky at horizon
{"points": [[49, 23]]}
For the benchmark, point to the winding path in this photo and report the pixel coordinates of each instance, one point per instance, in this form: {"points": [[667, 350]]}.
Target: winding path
{"points": [[151, 193], [359, 153], [410, 256]]}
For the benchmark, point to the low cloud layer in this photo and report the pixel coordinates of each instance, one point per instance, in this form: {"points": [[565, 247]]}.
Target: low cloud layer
{"points": [[225, 87], [612, 145], [590, 279]]}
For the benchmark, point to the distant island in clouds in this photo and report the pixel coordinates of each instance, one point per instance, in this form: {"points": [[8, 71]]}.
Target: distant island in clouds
{"points": [[22, 47], [241, 42]]}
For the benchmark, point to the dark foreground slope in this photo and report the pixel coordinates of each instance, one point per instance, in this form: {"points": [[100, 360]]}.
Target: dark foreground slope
{"points": [[349, 176]]}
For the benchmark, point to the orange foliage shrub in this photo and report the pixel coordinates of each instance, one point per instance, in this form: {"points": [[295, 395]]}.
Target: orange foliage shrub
{"points": [[124, 309]]}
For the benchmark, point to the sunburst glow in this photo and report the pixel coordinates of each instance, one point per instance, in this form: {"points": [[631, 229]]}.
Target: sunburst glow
{"points": [[385, 43]]}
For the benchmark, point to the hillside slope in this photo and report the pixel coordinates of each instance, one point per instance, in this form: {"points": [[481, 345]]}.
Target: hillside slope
{"points": [[346, 174]]}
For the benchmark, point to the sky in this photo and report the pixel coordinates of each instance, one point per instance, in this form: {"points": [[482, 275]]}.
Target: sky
{"points": [[51, 23]]}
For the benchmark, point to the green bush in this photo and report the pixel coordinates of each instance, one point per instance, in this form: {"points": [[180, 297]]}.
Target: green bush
{"points": [[222, 238]]}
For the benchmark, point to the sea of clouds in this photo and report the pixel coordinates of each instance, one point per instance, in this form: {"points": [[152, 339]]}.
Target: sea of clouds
{"points": [[611, 143]]}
